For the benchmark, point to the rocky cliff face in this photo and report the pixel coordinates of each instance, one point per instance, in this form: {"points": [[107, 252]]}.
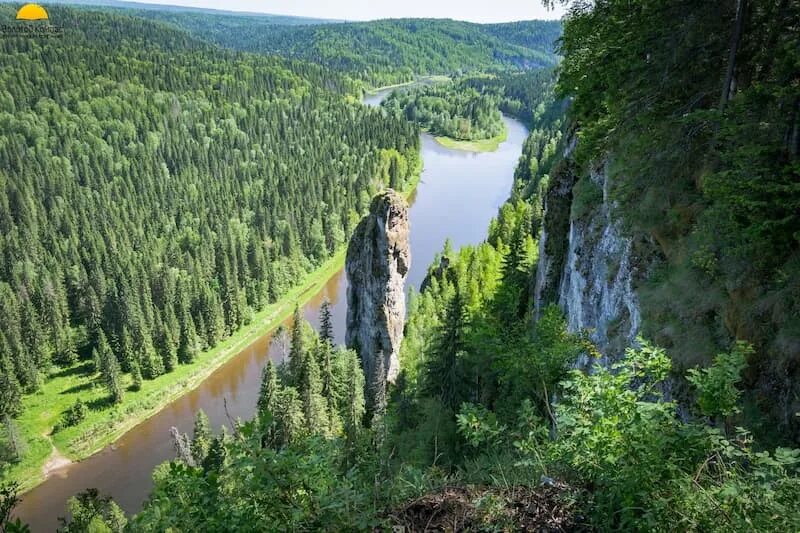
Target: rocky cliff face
{"points": [[586, 264], [378, 260]]}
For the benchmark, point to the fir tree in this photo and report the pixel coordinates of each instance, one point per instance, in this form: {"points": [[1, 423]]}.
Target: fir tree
{"points": [[10, 390], [310, 390], [201, 437], [136, 376], [269, 390], [297, 351], [353, 393], [444, 378], [217, 454], [326, 323], [289, 418], [109, 368], [14, 438], [376, 395]]}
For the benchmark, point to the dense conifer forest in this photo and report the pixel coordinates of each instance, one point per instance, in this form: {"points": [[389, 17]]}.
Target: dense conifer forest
{"points": [[387, 51], [156, 191], [176, 188], [448, 110]]}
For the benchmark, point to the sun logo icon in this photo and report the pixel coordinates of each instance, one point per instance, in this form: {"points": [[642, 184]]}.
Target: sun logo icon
{"points": [[32, 12]]}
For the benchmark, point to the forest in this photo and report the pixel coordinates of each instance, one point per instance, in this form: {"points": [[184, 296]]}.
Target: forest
{"points": [[471, 436], [384, 52], [448, 110], [682, 119], [155, 193]]}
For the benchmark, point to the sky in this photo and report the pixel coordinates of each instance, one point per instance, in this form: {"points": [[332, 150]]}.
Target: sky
{"points": [[471, 10]]}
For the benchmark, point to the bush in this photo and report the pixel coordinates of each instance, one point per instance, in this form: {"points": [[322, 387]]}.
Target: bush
{"points": [[72, 416]]}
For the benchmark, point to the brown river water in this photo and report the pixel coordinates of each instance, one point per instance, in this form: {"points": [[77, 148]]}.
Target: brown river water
{"points": [[456, 198]]}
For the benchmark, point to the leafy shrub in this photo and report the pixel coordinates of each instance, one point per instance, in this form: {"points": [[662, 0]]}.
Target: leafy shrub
{"points": [[72, 416]]}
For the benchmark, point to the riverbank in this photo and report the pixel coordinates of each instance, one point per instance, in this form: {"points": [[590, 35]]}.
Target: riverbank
{"points": [[433, 78], [478, 145], [105, 424]]}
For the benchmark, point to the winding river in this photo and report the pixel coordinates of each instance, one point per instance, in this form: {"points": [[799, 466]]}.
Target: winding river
{"points": [[456, 198]]}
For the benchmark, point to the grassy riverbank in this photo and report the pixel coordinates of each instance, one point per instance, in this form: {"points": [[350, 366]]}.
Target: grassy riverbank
{"points": [[433, 78], [479, 145], [105, 423]]}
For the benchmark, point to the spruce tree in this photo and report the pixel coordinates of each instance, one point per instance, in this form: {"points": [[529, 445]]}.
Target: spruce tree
{"points": [[444, 378], [289, 419], [109, 368], [201, 437], [217, 454], [353, 398], [326, 323], [269, 390], [10, 389], [14, 438], [136, 376], [310, 390], [297, 351], [376, 395]]}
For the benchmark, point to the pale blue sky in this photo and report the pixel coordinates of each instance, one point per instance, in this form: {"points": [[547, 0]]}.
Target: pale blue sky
{"points": [[474, 10]]}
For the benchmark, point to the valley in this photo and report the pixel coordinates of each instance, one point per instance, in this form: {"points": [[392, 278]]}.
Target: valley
{"points": [[267, 272]]}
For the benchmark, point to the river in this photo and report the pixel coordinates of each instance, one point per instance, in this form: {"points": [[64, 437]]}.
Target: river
{"points": [[457, 196]]}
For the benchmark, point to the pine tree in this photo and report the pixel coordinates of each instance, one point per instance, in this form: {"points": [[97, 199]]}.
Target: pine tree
{"points": [[289, 419], [444, 378], [297, 351], [183, 446], [10, 389], [326, 323], [14, 438], [269, 390], [136, 376], [376, 395], [310, 390], [187, 346], [201, 437], [109, 368], [353, 397], [217, 454]]}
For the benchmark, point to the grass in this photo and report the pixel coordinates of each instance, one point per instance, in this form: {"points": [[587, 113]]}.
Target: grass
{"points": [[479, 145], [105, 423]]}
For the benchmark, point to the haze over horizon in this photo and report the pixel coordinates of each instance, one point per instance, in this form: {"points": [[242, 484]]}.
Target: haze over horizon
{"points": [[362, 10]]}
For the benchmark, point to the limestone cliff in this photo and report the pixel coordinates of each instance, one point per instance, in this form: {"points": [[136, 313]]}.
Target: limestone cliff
{"points": [[586, 262], [378, 260]]}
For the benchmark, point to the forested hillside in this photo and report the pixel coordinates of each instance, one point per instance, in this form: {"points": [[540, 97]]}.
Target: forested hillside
{"points": [[694, 109], [472, 437], [383, 52], [155, 193]]}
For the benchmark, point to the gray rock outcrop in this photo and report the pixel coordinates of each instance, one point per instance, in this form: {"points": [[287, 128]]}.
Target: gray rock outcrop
{"points": [[378, 260]]}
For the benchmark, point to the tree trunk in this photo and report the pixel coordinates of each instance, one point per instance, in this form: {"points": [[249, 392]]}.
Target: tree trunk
{"points": [[727, 86]]}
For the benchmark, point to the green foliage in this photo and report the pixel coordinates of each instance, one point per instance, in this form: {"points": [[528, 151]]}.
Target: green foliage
{"points": [[478, 425], [141, 206], [202, 437], [8, 500], [72, 416], [91, 513], [384, 52], [448, 110], [717, 394], [109, 368], [586, 197], [699, 122]]}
